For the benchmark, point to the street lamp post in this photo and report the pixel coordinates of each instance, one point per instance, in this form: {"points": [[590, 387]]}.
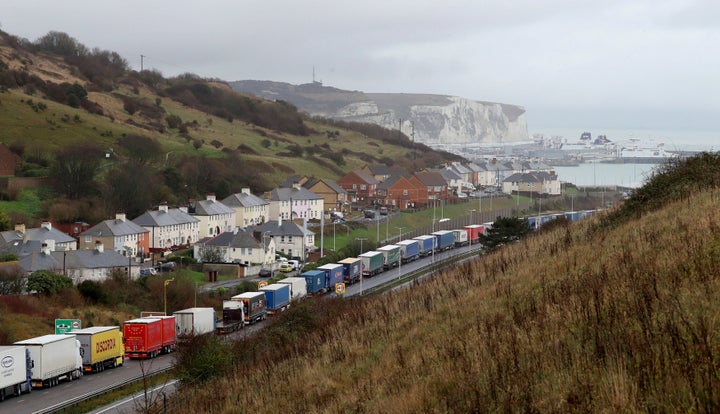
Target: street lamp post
{"points": [[167, 282], [361, 252], [333, 236]]}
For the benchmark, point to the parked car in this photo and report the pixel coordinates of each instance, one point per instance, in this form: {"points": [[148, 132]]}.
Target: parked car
{"points": [[369, 214], [265, 272], [383, 211], [286, 267], [148, 272]]}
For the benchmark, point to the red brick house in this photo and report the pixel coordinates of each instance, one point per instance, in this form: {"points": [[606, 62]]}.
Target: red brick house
{"points": [[434, 183], [400, 192], [361, 187]]}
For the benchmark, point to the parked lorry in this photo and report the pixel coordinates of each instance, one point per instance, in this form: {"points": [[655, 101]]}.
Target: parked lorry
{"points": [[168, 333], [474, 231], [351, 269], [143, 337], [333, 275], [391, 255], [53, 358], [409, 250], [371, 263], [461, 237], [277, 296], [100, 347], [315, 281], [15, 370], [426, 244], [254, 306], [233, 318], [298, 287], [194, 321], [444, 239]]}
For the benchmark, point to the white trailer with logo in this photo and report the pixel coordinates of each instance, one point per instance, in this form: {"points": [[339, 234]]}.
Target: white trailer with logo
{"points": [[15, 370], [54, 358]]}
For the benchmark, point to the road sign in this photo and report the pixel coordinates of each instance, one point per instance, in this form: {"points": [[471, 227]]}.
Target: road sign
{"points": [[262, 284], [339, 288], [67, 325]]}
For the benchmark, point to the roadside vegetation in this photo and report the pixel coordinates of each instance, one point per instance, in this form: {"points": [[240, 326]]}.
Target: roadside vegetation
{"points": [[617, 313]]}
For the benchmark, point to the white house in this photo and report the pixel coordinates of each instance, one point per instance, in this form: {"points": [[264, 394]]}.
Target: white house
{"points": [[239, 246], [169, 227], [295, 203], [80, 265], [290, 239], [214, 216], [250, 210], [539, 183]]}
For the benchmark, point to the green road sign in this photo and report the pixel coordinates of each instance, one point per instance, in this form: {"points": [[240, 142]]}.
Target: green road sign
{"points": [[66, 325]]}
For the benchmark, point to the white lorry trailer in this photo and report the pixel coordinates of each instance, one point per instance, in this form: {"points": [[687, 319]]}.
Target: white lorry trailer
{"points": [[53, 358], [194, 321], [15, 365]]}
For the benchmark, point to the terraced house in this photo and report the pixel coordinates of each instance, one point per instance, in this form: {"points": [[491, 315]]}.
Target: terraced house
{"points": [[214, 216], [169, 227], [250, 210]]}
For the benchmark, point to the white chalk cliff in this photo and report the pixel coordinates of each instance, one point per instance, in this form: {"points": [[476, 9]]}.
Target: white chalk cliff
{"points": [[429, 119]]}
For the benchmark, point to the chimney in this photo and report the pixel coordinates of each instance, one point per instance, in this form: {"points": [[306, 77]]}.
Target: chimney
{"points": [[20, 228], [45, 249], [296, 186], [210, 197], [99, 246], [235, 230], [163, 207], [46, 225], [120, 217], [245, 191], [279, 221], [191, 206]]}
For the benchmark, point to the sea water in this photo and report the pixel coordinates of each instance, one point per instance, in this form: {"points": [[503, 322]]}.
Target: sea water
{"points": [[628, 175]]}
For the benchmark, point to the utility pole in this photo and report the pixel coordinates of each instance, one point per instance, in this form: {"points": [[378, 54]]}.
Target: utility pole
{"points": [[142, 57], [361, 252]]}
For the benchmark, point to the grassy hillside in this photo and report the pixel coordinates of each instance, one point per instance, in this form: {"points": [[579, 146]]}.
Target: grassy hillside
{"points": [[619, 313], [56, 93]]}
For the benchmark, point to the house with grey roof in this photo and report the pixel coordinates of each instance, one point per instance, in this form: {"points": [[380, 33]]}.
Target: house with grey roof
{"points": [[61, 241], [250, 210], [290, 239], [120, 234], [214, 216], [169, 227], [80, 265], [295, 203], [539, 183], [238, 246]]}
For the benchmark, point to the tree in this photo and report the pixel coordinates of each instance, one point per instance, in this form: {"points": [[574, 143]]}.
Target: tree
{"points": [[74, 169], [505, 230], [130, 187], [210, 254], [12, 280], [46, 282], [141, 148], [5, 222]]}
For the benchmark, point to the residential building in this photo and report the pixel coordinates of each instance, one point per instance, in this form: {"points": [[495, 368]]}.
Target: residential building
{"points": [[250, 210], [361, 187], [169, 227], [295, 203], [290, 239], [434, 183], [382, 172], [400, 192], [538, 183], [214, 216], [334, 196], [238, 246], [61, 241], [120, 235], [80, 265]]}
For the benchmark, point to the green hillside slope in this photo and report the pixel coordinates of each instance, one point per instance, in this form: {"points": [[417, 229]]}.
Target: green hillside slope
{"points": [[619, 313]]}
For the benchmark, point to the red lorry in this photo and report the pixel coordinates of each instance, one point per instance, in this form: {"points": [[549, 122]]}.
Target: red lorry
{"points": [[148, 337]]}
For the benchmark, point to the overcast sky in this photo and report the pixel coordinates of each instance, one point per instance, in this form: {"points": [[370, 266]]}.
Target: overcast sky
{"points": [[571, 63]]}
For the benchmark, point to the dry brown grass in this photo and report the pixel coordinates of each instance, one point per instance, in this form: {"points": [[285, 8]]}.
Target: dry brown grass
{"points": [[625, 321]]}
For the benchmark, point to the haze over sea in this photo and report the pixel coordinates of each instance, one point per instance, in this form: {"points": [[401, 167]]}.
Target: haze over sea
{"points": [[627, 175]]}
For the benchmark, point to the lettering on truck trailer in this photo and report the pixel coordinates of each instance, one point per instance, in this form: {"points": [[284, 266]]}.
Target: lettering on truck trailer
{"points": [[7, 362], [105, 345]]}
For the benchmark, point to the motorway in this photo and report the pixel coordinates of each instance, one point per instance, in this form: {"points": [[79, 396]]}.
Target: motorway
{"points": [[43, 400]]}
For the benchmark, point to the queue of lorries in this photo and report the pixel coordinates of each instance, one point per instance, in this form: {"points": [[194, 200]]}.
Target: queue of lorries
{"points": [[44, 361]]}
